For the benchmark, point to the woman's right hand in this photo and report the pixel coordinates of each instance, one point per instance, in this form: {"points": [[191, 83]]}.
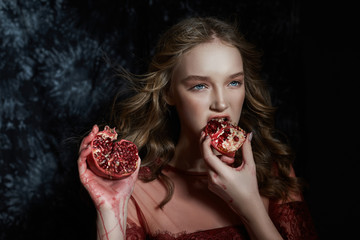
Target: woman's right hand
{"points": [[109, 196], [105, 193]]}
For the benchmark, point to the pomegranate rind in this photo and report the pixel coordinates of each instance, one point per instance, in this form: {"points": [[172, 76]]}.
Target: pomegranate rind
{"points": [[225, 137], [125, 151], [108, 133]]}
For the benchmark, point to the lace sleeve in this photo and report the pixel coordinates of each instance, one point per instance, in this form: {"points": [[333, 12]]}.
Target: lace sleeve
{"points": [[134, 232], [293, 220]]}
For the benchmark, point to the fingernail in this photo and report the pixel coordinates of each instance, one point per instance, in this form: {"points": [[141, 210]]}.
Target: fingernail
{"points": [[93, 129], [250, 136]]}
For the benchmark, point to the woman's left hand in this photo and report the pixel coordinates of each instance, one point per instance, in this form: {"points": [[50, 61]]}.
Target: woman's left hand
{"points": [[237, 186]]}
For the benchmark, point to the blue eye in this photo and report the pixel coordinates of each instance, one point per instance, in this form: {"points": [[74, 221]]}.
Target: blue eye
{"points": [[235, 83], [199, 87]]}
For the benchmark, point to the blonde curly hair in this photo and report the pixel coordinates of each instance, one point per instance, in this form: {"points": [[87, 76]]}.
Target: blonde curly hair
{"points": [[146, 119]]}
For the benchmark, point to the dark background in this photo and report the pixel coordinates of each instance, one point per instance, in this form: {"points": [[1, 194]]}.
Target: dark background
{"points": [[57, 80]]}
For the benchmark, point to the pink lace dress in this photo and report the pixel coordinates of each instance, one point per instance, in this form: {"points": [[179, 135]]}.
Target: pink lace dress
{"points": [[196, 213]]}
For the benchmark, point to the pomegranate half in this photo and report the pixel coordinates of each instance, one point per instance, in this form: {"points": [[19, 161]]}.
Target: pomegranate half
{"points": [[110, 158], [225, 137]]}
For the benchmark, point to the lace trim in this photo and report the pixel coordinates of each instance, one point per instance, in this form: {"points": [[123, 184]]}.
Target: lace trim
{"points": [[293, 220], [230, 232]]}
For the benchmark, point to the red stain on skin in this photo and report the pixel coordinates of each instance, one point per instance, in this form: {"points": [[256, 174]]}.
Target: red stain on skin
{"points": [[102, 221], [119, 218]]}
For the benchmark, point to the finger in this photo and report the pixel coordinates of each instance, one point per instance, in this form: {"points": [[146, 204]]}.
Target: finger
{"points": [[226, 159], [210, 159], [82, 165], [212, 175], [95, 129], [248, 158], [202, 137], [85, 142], [91, 135]]}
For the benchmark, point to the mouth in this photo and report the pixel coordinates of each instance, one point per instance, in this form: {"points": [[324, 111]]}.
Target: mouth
{"points": [[220, 118]]}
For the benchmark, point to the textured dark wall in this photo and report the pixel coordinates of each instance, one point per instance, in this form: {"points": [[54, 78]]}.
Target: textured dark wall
{"points": [[56, 60], [330, 53]]}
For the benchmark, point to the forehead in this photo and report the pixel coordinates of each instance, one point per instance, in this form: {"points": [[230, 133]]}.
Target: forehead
{"points": [[211, 57]]}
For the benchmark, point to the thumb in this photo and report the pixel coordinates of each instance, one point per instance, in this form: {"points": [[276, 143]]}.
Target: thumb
{"points": [[210, 158], [248, 158]]}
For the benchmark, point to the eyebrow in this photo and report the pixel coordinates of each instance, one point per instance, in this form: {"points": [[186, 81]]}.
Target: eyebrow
{"points": [[195, 77], [205, 78], [239, 74]]}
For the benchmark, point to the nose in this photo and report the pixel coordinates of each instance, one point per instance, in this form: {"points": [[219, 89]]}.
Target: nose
{"points": [[219, 103]]}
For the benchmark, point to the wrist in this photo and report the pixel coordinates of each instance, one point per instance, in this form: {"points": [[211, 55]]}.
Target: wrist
{"points": [[114, 208], [258, 222], [111, 203], [254, 210], [248, 207], [111, 220]]}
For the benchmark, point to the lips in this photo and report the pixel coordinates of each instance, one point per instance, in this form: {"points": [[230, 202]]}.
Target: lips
{"points": [[219, 117]]}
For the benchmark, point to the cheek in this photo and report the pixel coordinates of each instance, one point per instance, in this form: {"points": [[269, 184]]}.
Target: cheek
{"points": [[241, 102], [237, 105], [191, 112], [190, 108]]}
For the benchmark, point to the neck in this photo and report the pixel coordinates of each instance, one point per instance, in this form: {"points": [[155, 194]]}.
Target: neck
{"points": [[187, 154]]}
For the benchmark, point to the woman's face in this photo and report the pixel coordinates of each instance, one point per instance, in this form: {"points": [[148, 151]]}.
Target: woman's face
{"points": [[208, 82]]}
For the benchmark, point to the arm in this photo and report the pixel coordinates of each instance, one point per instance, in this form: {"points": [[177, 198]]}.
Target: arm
{"points": [[109, 196], [243, 198]]}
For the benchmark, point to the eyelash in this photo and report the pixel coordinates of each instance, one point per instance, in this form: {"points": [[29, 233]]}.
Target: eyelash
{"points": [[238, 83], [201, 86], [197, 86]]}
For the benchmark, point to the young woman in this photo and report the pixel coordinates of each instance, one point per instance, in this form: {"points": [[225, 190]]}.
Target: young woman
{"points": [[203, 69]]}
